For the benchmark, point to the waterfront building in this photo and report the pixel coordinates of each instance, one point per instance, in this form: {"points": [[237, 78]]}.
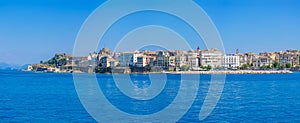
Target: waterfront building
{"points": [[162, 59], [290, 56], [263, 61], [211, 57], [114, 63], [106, 61], [130, 59], [116, 56], [180, 60], [243, 59], [274, 56], [231, 61], [250, 57], [135, 57], [172, 61], [141, 61], [126, 59], [192, 60], [150, 60]]}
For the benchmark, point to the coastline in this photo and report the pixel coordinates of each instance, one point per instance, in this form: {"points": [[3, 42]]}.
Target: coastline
{"points": [[193, 72], [235, 72], [208, 61]]}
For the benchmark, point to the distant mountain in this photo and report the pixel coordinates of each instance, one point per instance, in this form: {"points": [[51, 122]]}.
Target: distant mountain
{"points": [[5, 66]]}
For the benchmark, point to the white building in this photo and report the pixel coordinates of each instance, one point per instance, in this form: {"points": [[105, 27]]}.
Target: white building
{"points": [[129, 58], [262, 61], [172, 61], [211, 57], [192, 60], [181, 60], [107, 61], [231, 61], [141, 61]]}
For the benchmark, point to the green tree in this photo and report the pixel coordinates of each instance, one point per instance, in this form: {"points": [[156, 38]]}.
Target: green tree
{"points": [[208, 67], [244, 66], [185, 68], [288, 65], [62, 62], [276, 65], [250, 65], [263, 67], [52, 61]]}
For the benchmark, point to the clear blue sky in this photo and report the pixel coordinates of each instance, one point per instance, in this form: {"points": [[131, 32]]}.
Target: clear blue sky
{"points": [[34, 30]]}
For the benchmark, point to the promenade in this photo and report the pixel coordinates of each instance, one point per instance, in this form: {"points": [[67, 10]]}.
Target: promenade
{"points": [[234, 72]]}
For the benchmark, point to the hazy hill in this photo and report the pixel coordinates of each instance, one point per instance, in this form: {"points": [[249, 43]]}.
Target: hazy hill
{"points": [[5, 66]]}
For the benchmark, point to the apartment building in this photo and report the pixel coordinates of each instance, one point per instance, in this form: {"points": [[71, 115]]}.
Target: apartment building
{"points": [[211, 57]]}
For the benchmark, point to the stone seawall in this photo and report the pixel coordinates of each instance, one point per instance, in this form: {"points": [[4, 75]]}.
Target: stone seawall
{"points": [[235, 72]]}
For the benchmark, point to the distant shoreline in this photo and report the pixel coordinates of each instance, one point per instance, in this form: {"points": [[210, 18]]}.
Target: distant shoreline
{"points": [[194, 72], [236, 72]]}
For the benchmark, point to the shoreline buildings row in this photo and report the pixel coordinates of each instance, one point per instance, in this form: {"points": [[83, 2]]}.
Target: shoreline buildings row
{"points": [[177, 60]]}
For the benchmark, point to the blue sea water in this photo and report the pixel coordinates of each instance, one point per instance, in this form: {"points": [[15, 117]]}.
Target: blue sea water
{"points": [[50, 97]]}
